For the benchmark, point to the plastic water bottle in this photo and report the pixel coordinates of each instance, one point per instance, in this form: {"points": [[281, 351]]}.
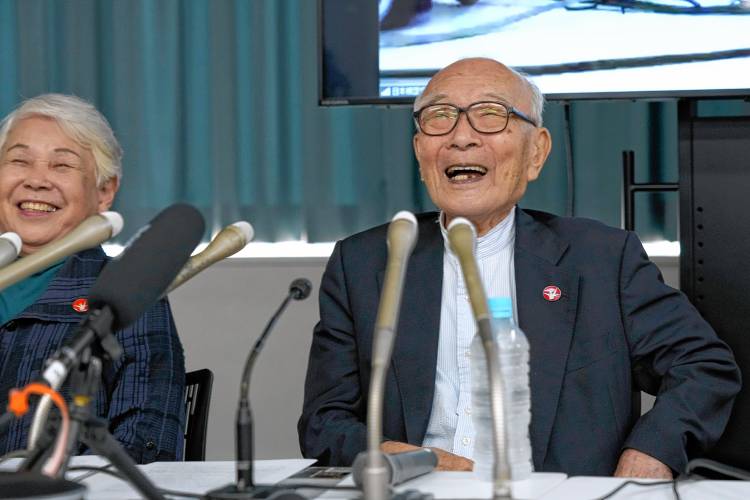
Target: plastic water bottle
{"points": [[513, 349]]}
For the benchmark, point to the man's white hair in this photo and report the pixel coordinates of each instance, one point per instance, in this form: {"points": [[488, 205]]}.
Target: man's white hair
{"points": [[81, 121], [537, 98]]}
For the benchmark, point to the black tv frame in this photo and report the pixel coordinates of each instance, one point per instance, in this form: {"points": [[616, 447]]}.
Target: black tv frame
{"points": [[370, 100]]}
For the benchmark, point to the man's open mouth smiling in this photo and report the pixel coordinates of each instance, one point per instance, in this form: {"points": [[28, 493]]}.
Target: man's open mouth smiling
{"points": [[465, 173]]}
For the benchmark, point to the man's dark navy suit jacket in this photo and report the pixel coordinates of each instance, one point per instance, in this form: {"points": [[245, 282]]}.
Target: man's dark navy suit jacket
{"points": [[617, 328]]}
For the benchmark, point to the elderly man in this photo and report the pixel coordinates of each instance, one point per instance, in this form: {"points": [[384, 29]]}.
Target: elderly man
{"points": [[611, 327], [59, 164]]}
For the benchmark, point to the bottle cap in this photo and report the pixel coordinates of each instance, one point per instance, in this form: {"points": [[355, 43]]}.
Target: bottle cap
{"points": [[500, 307]]}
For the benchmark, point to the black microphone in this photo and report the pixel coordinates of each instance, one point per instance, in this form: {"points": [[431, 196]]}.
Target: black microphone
{"points": [[300, 288], [134, 281], [400, 466], [125, 289], [245, 488], [131, 283]]}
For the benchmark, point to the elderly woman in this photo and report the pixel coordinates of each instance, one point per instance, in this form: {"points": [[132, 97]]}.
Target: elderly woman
{"points": [[59, 164]]}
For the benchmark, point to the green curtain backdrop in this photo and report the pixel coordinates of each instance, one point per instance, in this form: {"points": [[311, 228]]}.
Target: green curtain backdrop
{"points": [[215, 104]]}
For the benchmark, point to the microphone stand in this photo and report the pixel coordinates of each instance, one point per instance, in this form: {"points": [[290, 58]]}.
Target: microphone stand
{"points": [[97, 329], [462, 235], [401, 239], [84, 369], [245, 487]]}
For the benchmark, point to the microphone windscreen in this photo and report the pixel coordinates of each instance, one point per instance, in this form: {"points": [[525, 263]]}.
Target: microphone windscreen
{"points": [[14, 240], [10, 247], [300, 288], [228, 241], [115, 220], [247, 230], [135, 280], [401, 238]]}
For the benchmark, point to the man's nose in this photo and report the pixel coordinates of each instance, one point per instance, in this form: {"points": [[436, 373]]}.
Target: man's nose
{"points": [[464, 136]]}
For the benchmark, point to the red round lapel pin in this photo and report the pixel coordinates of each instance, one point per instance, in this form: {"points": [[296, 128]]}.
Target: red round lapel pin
{"points": [[80, 305], [552, 293]]}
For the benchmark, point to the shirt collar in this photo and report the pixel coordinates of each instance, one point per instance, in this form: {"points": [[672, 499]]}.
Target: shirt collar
{"points": [[495, 240]]}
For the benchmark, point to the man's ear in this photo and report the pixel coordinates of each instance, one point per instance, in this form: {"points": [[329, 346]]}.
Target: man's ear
{"points": [[417, 152], [541, 145], [415, 144], [107, 192]]}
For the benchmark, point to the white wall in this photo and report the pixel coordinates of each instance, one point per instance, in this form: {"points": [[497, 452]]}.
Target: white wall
{"points": [[220, 314]]}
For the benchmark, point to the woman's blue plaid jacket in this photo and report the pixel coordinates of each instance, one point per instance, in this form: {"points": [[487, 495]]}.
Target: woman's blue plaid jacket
{"points": [[141, 395]]}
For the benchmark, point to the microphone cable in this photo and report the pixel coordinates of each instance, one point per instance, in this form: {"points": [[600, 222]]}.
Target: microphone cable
{"points": [[105, 469]]}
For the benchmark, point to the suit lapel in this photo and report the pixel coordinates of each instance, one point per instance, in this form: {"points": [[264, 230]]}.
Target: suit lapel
{"points": [[547, 324], [414, 358]]}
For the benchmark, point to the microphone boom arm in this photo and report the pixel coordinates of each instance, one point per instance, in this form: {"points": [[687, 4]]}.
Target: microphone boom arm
{"points": [[461, 236], [402, 235]]}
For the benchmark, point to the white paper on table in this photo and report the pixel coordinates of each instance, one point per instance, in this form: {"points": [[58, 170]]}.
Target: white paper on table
{"points": [[192, 477], [443, 484], [89, 460], [466, 485], [583, 487]]}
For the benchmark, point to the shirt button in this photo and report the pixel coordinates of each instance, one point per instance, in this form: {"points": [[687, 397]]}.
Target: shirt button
{"points": [[467, 354], [466, 441], [467, 411], [150, 445]]}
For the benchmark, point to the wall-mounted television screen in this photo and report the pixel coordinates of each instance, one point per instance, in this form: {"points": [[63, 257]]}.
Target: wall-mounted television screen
{"points": [[384, 51]]}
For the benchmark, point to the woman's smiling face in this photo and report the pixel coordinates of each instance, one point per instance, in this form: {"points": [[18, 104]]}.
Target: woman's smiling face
{"points": [[48, 183]]}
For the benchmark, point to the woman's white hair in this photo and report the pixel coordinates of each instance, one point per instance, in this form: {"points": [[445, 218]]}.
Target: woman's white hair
{"points": [[81, 121]]}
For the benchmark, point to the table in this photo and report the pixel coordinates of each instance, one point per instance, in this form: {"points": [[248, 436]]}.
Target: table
{"points": [[199, 477]]}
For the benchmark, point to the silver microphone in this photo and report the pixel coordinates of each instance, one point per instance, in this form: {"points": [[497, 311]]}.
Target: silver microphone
{"points": [[91, 232], [401, 467], [401, 239], [10, 247], [462, 238], [228, 241]]}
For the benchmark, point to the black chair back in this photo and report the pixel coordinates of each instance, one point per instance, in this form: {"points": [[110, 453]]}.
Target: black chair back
{"points": [[197, 402]]}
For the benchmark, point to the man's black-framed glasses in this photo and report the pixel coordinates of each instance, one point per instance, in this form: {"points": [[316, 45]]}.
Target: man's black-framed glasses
{"points": [[486, 117]]}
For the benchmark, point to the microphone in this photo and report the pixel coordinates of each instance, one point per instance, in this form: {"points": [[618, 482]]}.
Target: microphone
{"points": [[245, 488], [10, 247], [462, 238], [401, 239], [300, 289], [400, 466], [131, 283], [91, 232], [228, 241], [125, 289]]}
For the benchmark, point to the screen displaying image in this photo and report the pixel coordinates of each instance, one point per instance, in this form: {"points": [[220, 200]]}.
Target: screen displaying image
{"points": [[572, 49]]}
